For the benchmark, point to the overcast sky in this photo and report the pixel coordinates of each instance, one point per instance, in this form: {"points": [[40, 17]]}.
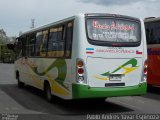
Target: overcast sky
{"points": [[16, 15]]}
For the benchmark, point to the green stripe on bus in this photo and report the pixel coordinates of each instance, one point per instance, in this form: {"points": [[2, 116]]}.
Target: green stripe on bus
{"points": [[84, 91]]}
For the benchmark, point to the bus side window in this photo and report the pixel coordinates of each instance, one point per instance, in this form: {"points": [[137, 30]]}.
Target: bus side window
{"points": [[157, 32], [69, 35], [43, 47], [39, 37], [149, 33], [18, 48], [52, 43], [24, 43], [31, 45], [60, 40], [152, 33]]}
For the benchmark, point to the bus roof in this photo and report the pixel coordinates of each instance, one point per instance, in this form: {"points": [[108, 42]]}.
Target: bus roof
{"points": [[71, 18], [47, 26], [152, 19]]}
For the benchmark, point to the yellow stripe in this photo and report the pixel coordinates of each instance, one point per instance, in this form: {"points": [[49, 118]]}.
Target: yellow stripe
{"points": [[38, 82], [57, 88], [100, 78], [128, 70]]}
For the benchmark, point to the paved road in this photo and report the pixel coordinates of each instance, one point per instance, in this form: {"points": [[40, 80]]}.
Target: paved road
{"points": [[29, 103]]}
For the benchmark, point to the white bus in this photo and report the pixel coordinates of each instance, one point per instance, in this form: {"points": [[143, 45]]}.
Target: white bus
{"points": [[84, 56]]}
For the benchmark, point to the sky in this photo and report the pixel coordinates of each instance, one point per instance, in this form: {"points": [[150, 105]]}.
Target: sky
{"points": [[16, 15]]}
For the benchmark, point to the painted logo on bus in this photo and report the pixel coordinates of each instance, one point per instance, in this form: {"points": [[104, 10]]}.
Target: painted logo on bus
{"points": [[89, 50], [60, 64], [127, 70]]}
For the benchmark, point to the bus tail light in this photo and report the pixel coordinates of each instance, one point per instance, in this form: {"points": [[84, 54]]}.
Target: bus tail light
{"points": [[145, 67], [80, 71], [80, 63], [145, 70]]}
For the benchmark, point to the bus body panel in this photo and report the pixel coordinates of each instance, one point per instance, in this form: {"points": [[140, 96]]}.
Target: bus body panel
{"points": [[111, 72], [153, 62], [35, 71]]}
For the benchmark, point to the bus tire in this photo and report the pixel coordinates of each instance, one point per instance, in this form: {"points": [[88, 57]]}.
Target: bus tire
{"points": [[48, 94], [20, 84]]}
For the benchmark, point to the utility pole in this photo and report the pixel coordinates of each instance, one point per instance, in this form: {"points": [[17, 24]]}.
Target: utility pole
{"points": [[32, 23]]}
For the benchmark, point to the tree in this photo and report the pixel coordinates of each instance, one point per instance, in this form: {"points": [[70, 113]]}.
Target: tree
{"points": [[3, 37], [6, 43]]}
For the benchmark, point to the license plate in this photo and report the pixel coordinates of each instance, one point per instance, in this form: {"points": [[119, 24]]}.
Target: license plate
{"points": [[114, 84], [115, 77]]}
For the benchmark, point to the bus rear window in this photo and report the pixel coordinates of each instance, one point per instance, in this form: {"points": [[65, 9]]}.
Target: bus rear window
{"points": [[109, 30]]}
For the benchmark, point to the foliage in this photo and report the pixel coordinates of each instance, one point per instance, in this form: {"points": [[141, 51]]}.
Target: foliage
{"points": [[6, 55]]}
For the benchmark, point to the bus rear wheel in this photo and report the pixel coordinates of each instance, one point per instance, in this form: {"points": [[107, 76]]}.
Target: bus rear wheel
{"points": [[48, 93], [20, 84]]}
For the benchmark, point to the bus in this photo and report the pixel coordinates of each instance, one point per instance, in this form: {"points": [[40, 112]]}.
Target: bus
{"points": [[84, 56], [152, 26]]}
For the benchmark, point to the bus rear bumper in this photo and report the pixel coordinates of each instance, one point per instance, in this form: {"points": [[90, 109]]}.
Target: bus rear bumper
{"points": [[83, 91]]}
